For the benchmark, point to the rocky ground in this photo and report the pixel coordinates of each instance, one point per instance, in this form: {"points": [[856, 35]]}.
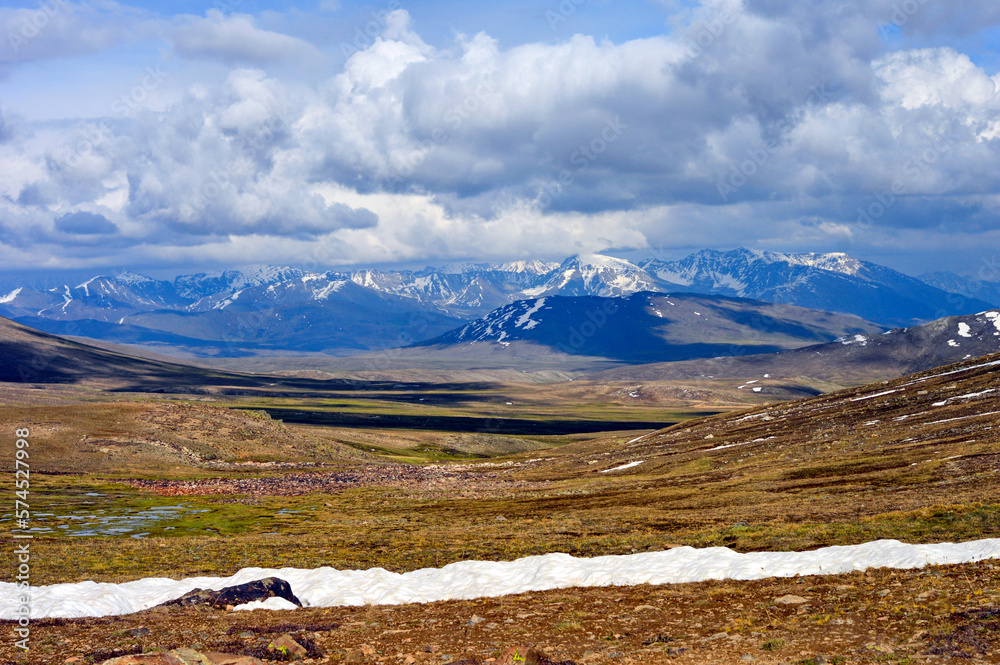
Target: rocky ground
{"points": [[938, 615], [429, 478]]}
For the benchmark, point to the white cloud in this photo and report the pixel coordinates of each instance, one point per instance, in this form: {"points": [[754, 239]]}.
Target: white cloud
{"points": [[235, 39], [60, 28], [417, 152]]}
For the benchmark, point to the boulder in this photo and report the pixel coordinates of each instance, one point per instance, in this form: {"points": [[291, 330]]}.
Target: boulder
{"points": [[269, 587]]}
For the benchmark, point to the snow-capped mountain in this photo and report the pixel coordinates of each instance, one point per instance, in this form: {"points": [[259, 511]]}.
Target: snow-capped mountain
{"points": [[833, 282], [201, 285], [597, 275], [216, 306], [970, 287], [648, 327]]}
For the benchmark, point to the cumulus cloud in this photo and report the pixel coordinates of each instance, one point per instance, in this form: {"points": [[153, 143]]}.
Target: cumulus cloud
{"points": [[794, 114]]}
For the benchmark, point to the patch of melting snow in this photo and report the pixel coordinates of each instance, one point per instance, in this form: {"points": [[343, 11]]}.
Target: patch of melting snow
{"points": [[954, 371], [750, 417], [525, 319], [968, 396], [995, 318], [952, 342], [974, 415], [757, 390], [10, 296], [328, 587], [623, 466], [964, 330], [863, 397]]}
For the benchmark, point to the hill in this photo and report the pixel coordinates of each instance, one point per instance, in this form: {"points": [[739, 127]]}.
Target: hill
{"points": [[850, 360], [644, 327]]}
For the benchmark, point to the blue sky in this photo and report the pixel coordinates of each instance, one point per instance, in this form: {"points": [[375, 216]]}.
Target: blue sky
{"points": [[180, 135]]}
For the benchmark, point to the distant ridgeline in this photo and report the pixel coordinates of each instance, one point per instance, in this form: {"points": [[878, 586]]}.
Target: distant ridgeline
{"points": [[266, 309]]}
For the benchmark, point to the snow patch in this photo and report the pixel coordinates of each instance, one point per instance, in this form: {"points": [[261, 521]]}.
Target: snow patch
{"points": [[964, 329], [273, 603], [327, 587], [968, 396], [10, 296], [525, 319], [624, 466], [995, 318], [864, 397]]}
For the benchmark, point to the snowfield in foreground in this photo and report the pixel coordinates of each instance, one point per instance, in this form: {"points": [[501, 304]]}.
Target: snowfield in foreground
{"points": [[327, 587]]}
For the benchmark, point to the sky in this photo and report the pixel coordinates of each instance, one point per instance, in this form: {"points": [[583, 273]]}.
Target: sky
{"points": [[188, 135]]}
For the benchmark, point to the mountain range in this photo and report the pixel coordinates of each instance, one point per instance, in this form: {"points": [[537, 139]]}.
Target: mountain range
{"points": [[276, 310]]}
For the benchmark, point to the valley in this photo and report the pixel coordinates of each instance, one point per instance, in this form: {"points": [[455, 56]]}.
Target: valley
{"points": [[157, 469]]}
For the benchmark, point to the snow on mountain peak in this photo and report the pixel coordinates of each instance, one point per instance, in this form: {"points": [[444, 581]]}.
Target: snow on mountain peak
{"points": [[535, 267], [10, 296], [834, 262], [129, 278]]}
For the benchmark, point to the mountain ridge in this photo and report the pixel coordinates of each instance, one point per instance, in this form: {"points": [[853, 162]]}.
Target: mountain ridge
{"points": [[262, 300]]}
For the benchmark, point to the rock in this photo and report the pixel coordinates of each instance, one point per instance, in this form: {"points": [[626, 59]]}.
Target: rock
{"points": [[191, 657], [269, 587], [139, 632], [228, 659], [789, 599], [184, 657], [474, 621], [355, 656], [409, 660], [286, 645], [146, 659], [521, 655]]}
